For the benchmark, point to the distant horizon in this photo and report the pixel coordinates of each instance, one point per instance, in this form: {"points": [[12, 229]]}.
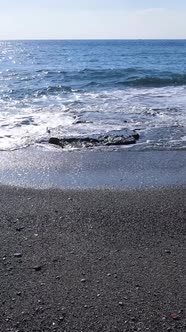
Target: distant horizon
{"points": [[87, 39]]}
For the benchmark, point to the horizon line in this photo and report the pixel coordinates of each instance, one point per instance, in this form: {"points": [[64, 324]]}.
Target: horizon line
{"points": [[86, 39]]}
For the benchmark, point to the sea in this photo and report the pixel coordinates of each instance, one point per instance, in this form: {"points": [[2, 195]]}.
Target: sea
{"points": [[80, 89]]}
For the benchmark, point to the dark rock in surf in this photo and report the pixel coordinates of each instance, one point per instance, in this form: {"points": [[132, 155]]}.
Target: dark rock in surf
{"points": [[81, 121], [114, 137], [118, 140], [54, 140], [136, 135]]}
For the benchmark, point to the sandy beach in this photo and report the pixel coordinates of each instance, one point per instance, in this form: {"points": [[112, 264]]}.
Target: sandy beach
{"points": [[92, 166], [92, 260]]}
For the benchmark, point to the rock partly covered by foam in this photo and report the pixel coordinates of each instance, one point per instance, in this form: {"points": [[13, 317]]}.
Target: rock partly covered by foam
{"points": [[119, 137]]}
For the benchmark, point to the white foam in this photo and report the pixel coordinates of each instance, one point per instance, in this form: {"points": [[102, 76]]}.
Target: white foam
{"points": [[29, 128], [25, 122]]}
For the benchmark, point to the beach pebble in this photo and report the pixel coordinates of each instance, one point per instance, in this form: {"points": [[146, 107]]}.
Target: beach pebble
{"points": [[18, 254], [18, 293], [121, 303], [167, 251], [19, 229], [174, 316], [37, 268], [58, 277], [83, 280]]}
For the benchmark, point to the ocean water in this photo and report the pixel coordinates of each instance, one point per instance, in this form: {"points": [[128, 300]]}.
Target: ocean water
{"points": [[84, 88]]}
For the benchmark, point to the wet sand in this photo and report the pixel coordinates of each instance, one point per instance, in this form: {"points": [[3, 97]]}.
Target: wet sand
{"points": [[37, 168], [92, 260]]}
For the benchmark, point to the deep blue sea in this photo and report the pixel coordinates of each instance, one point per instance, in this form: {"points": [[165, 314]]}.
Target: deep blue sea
{"points": [[82, 88]]}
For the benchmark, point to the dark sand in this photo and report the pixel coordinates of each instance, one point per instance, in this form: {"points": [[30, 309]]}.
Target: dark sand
{"points": [[92, 260]]}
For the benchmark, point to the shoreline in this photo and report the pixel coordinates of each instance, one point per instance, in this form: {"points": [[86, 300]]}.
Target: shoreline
{"points": [[92, 260], [37, 168]]}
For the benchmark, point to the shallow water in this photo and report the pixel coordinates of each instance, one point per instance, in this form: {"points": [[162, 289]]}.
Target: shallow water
{"points": [[83, 88]]}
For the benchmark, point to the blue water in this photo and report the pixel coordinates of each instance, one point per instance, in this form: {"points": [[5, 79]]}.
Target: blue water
{"points": [[79, 88]]}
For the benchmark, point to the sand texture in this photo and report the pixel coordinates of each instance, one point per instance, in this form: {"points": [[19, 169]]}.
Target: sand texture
{"points": [[92, 260]]}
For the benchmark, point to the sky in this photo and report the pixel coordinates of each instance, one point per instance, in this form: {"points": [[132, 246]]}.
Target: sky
{"points": [[92, 19]]}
